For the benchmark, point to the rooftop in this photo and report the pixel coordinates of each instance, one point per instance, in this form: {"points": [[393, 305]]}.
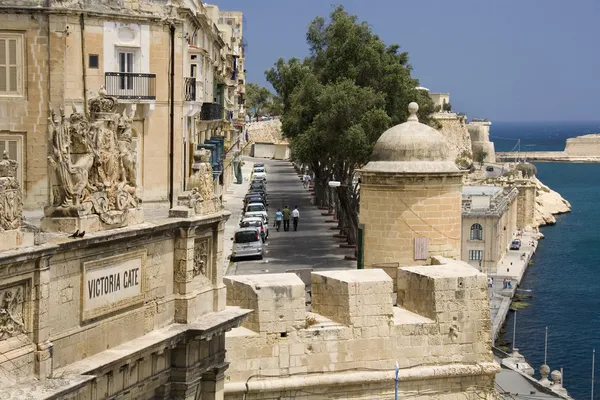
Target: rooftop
{"points": [[481, 190]]}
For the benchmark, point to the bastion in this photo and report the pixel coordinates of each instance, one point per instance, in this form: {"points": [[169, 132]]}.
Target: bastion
{"points": [[347, 346]]}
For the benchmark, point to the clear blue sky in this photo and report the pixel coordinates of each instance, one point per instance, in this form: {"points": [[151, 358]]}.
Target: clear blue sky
{"points": [[512, 60]]}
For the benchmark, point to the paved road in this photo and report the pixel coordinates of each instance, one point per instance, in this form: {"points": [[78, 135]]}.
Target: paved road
{"points": [[312, 246]]}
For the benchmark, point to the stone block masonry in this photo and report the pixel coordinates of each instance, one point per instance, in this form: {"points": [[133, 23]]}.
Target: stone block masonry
{"points": [[438, 332]]}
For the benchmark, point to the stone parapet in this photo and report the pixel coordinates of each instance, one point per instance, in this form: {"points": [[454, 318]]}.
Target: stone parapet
{"points": [[278, 301], [441, 321]]}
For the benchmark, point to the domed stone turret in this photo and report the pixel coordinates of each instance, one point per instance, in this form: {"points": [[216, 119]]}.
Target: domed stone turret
{"points": [[411, 147], [410, 197]]}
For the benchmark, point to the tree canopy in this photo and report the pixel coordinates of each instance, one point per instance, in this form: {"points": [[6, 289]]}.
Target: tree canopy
{"points": [[339, 100], [260, 101]]}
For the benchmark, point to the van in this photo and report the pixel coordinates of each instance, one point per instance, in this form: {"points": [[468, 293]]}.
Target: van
{"points": [[247, 242]]}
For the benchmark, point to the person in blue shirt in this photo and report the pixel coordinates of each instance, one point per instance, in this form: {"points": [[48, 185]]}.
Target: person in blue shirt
{"points": [[278, 219]]}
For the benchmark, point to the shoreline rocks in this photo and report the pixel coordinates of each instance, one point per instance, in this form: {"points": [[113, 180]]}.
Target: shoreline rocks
{"points": [[548, 204]]}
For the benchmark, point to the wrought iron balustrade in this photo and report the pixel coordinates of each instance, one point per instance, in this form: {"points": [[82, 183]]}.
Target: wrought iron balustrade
{"points": [[190, 89], [130, 85]]}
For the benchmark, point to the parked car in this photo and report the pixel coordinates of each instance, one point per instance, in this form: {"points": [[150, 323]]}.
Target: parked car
{"points": [[247, 242], [489, 169], [260, 165], [256, 222], [255, 198], [257, 207], [257, 214], [515, 245], [258, 184], [259, 173], [260, 192]]}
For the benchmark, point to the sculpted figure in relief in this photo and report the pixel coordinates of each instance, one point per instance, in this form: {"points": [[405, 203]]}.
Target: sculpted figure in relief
{"points": [[92, 163], [11, 201], [11, 312]]}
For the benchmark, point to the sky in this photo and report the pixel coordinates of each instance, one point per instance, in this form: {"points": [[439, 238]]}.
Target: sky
{"points": [[506, 60]]}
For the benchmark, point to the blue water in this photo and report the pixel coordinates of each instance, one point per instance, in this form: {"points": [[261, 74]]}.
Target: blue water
{"points": [[565, 276]]}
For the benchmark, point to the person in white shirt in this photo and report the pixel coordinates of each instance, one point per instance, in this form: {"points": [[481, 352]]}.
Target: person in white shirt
{"points": [[295, 216], [306, 180]]}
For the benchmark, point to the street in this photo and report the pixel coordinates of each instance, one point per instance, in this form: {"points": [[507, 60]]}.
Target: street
{"points": [[312, 246]]}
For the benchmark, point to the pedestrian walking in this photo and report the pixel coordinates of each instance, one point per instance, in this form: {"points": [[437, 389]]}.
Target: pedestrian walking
{"points": [[504, 284], [490, 283], [286, 218], [296, 216], [278, 219], [509, 284], [306, 180]]}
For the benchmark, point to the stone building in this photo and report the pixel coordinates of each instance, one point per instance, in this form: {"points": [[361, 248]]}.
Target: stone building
{"points": [[63, 53], [411, 309], [489, 220]]}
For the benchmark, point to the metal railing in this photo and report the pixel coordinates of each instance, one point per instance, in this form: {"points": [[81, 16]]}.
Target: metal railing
{"points": [[189, 88], [211, 111], [130, 85]]}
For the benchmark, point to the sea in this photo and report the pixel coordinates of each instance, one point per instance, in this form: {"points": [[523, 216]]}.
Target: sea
{"points": [[564, 278]]}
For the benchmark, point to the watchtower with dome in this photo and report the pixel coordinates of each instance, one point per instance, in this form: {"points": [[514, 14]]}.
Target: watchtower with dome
{"points": [[410, 197]]}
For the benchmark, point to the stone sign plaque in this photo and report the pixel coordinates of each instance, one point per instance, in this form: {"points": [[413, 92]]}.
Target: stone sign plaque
{"points": [[112, 283]]}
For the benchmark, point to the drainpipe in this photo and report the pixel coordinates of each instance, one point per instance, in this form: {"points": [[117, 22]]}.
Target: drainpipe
{"points": [[172, 117], [83, 69], [49, 101]]}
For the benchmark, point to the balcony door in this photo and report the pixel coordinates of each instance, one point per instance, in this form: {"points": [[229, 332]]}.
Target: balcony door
{"points": [[127, 60]]}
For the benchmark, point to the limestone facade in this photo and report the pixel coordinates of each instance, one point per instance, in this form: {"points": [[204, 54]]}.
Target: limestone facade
{"points": [[583, 146], [62, 55], [399, 210], [137, 312], [489, 219], [438, 333]]}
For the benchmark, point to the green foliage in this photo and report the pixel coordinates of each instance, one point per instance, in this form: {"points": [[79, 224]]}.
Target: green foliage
{"points": [[480, 156], [447, 107], [258, 99], [528, 170]]}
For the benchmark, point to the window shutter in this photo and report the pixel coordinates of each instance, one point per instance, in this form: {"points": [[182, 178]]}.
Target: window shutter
{"points": [[12, 150], [3, 80], [2, 147], [12, 65]]}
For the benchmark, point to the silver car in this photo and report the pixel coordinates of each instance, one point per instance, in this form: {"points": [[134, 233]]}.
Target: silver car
{"points": [[247, 242]]}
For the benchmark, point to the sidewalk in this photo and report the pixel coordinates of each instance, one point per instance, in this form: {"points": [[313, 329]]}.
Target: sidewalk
{"points": [[233, 201]]}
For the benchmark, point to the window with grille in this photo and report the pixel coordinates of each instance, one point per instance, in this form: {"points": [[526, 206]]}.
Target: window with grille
{"points": [[476, 232], [475, 255], [12, 145], [11, 65]]}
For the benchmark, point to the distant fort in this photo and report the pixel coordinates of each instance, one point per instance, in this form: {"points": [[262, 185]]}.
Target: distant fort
{"points": [[584, 148]]}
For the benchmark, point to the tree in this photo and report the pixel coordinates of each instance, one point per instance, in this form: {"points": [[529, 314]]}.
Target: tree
{"points": [[528, 170], [257, 99], [447, 106], [339, 100], [479, 156]]}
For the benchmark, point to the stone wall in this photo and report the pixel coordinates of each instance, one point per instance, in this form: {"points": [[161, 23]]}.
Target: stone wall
{"points": [[122, 308], [347, 347], [454, 129], [583, 146], [480, 139], [526, 204], [400, 210], [265, 131]]}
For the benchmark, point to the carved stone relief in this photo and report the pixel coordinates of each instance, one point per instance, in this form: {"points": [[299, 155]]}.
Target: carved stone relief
{"points": [[201, 198], [11, 312], [92, 163], [11, 200], [201, 256]]}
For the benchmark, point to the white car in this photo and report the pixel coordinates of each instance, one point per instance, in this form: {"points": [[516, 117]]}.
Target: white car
{"points": [[257, 214], [256, 222], [259, 173], [247, 243], [256, 208]]}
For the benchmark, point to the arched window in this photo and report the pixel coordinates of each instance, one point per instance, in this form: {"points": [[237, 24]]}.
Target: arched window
{"points": [[476, 232]]}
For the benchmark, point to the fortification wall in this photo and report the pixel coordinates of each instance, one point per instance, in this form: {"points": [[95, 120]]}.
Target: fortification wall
{"points": [[584, 146], [480, 139], [347, 347], [454, 130], [265, 131]]}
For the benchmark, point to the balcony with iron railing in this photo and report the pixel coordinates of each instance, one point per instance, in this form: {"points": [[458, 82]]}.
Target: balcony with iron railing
{"points": [[211, 112], [190, 89], [130, 85]]}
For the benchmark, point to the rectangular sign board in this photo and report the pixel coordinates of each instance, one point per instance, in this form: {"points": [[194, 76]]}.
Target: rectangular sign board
{"points": [[112, 283]]}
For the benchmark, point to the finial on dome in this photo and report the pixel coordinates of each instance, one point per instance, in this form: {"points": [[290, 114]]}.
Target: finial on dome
{"points": [[412, 110]]}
